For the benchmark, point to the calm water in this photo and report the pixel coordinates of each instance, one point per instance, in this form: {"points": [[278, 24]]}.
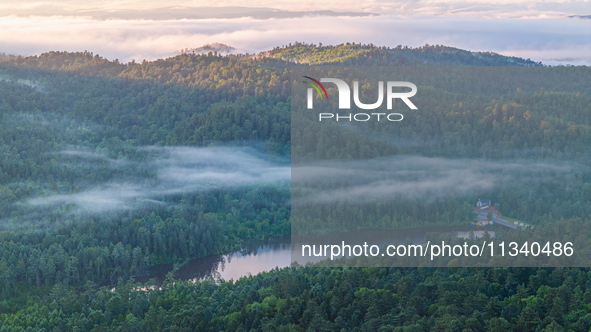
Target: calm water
{"points": [[259, 256], [253, 258]]}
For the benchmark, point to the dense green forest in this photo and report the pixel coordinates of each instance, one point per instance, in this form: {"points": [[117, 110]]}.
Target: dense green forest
{"points": [[522, 133], [76, 129], [328, 299], [353, 54]]}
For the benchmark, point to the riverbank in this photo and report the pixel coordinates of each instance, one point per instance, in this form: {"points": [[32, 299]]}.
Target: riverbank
{"points": [[258, 256]]}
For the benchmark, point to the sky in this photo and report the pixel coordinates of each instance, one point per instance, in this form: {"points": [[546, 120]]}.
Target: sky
{"points": [[553, 32]]}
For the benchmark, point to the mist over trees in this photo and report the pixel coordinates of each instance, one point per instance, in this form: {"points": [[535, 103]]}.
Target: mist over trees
{"points": [[75, 123]]}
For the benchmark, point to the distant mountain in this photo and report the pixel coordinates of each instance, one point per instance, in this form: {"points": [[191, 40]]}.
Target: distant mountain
{"points": [[587, 17], [369, 54], [218, 48], [349, 54]]}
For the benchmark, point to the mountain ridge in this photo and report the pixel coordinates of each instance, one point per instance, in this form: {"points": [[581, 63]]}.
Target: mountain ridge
{"points": [[354, 54]]}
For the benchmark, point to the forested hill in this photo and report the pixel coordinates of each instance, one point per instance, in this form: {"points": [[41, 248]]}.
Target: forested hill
{"points": [[79, 133], [344, 54], [364, 55]]}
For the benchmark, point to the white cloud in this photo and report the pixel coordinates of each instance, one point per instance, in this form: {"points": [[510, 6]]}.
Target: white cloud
{"points": [[383, 6], [418, 177], [540, 39], [178, 170], [181, 170]]}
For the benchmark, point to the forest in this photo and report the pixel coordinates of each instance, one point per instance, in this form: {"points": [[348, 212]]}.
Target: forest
{"points": [[328, 299], [90, 195]]}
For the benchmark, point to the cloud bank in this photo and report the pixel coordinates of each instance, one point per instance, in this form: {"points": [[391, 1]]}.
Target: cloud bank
{"points": [[550, 38], [417, 177], [176, 9], [178, 170]]}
